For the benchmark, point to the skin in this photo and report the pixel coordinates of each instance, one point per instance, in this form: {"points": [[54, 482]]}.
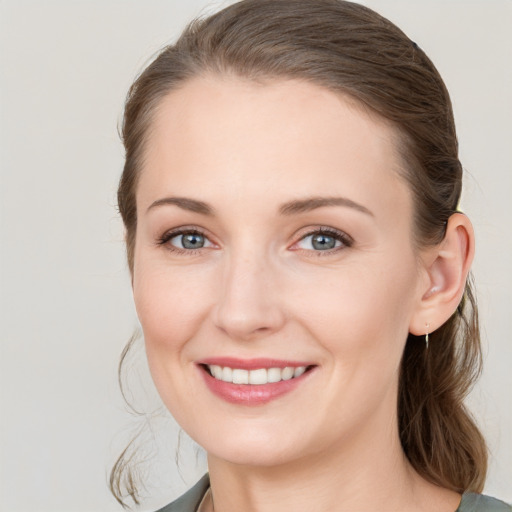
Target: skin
{"points": [[258, 288]]}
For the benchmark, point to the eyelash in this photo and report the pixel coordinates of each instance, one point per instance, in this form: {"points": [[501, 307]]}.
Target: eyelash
{"points": [[346, 240], [169, 235]]}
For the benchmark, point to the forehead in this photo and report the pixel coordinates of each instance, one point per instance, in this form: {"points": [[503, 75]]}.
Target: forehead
{"points": [[219, 138]]}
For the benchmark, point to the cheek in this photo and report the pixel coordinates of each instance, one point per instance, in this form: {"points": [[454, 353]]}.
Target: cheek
{"points": [[361, 320], [361, 311], [171, 304]]}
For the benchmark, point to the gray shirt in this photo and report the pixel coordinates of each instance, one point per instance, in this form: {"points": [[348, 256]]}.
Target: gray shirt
{"points": [[470, 502]]}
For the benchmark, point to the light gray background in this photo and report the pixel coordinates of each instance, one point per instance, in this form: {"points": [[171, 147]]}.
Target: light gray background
{"points": [[66, 308]]}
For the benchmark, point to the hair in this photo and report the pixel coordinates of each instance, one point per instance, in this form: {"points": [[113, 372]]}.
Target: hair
{"points": [[348, 49]]}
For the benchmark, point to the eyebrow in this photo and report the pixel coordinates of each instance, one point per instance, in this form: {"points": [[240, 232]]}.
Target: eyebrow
{"points": [[192, 205], [290, 208], [312, 203]]}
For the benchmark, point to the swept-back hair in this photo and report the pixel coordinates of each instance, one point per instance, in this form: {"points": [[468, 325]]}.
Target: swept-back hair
{"points": [[349, 49]]}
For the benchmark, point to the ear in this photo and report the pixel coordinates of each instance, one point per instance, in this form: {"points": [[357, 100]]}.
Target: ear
{"points": [[446, 268]]}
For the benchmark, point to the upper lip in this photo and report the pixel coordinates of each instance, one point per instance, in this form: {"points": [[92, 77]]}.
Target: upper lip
{"points": [[252, 364]]}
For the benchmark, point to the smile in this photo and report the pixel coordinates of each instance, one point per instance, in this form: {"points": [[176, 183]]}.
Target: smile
{"points": [[253, 382], [258, 377]]}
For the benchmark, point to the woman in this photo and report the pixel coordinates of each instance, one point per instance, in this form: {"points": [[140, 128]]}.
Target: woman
{"points": [[299, 266]]}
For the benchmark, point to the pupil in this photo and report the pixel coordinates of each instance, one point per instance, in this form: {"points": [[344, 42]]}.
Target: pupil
{"points": [[323, 242], [192, 241]]}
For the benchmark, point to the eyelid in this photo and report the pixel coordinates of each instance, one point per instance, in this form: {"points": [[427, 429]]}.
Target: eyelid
{"points": [[164, 240], [345, 239]]}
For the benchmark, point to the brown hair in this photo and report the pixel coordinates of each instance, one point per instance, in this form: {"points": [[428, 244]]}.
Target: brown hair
{"points": [[352, 50]]}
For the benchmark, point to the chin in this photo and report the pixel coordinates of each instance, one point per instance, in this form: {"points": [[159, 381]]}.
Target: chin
{"points": [[255, 448], [253, 456]]}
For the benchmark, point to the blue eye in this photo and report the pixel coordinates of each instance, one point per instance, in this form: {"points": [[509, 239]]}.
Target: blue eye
{"points": [[189, 240], [324, 240]]}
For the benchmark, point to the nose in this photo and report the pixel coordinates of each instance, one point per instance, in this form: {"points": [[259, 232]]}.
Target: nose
{"points": [[249, 302]]}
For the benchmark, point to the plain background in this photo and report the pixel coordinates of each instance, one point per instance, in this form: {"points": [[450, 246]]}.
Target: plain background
{"points": [[66, 307]]}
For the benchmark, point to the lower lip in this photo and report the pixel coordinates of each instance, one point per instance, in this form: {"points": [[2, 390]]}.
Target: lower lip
{"points": [[251, 394]]}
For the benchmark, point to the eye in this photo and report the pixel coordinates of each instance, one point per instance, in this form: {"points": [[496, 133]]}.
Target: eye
{"points": [[189, 241], [185, 240], [324, 240], [319, 242]]}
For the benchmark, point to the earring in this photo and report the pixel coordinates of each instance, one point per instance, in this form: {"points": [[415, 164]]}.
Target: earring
{"points": [[427, 328]]}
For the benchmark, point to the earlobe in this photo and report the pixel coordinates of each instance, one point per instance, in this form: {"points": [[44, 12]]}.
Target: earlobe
{"points": [[447, 266]]}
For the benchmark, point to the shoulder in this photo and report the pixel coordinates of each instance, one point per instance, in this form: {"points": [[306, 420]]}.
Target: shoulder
{"points": [[189, 501], [479, 503]]}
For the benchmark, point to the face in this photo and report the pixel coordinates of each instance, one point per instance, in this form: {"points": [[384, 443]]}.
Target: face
{"points": [[275, 275]]}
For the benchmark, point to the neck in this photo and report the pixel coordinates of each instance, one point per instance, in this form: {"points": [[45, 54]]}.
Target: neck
{"points": [[367, 472]]}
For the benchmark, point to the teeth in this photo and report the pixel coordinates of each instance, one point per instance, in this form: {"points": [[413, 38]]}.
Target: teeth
{"points": [[257, 377], [274, 374], [299, 371], [287, 373], [227, 374], [240, 377], [216, 371]]}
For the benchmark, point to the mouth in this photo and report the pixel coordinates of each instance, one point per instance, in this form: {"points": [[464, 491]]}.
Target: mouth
{"points": [[258, 376], [253, 382]]}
